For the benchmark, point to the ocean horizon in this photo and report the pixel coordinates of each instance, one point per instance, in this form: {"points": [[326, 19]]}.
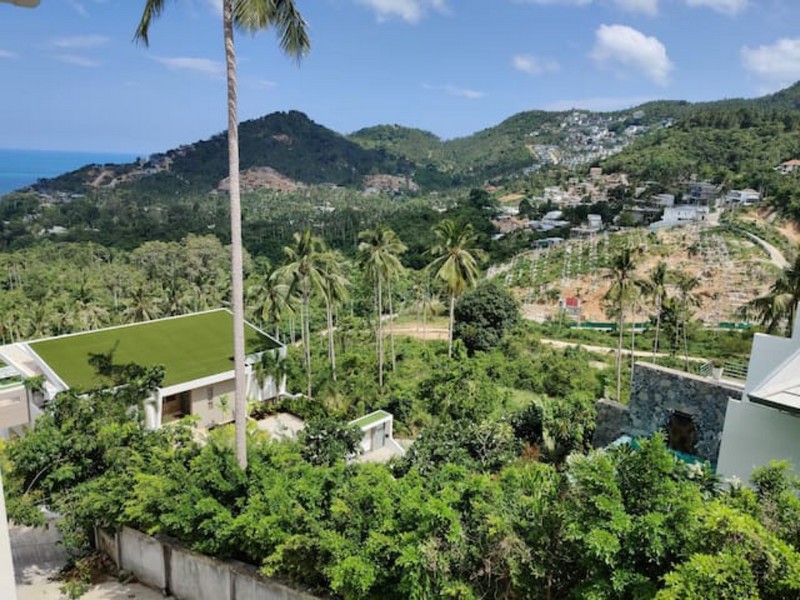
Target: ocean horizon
{"points": [[20, 168]]}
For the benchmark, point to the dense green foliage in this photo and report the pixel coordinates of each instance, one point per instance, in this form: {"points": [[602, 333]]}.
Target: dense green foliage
{"points": [[468, 517], [484, 315]]}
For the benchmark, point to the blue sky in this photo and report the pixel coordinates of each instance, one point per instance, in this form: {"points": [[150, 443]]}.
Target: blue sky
{"points": [[73, 79]]}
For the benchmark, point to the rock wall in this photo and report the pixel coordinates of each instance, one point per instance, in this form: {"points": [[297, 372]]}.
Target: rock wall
{"points": [[657, 393], [613, 420]]}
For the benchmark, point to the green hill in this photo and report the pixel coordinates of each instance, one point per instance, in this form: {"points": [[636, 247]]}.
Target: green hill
{"points": [[735, 141]]}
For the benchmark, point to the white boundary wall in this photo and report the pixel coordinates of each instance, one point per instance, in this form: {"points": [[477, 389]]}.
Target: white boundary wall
{"points": [[175, 570]]}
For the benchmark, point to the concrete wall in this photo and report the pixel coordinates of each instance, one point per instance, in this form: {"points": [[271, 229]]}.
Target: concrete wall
{"points": [[167, 565], [658, 392], [205, 403], [13, 407], [197, 577], [144, 556], [755, 435], [6, 563], [613, 420], [107, 543]]}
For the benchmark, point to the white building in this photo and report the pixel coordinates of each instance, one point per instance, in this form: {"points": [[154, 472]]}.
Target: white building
{"points": [[743, 197], [378, 443], [764, 424], [681, 215], [195, 351]]}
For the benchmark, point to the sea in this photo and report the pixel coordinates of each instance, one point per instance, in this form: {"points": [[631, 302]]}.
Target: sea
{"points": [[19, 168]]}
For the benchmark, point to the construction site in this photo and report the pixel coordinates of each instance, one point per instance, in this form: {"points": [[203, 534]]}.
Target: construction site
{"points": [[570, 279]]}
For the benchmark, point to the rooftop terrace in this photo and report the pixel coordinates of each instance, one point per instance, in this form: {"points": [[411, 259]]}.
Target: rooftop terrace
{"points": [[188, 347]]}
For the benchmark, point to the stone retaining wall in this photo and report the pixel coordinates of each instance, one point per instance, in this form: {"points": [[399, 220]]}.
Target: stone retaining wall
{"points": [[658, 392], [613, 420]]}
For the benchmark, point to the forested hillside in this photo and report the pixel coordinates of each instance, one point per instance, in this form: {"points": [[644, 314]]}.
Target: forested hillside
{"points": [[736, 142]]}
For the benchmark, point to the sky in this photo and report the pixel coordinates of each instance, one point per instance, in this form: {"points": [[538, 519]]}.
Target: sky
{"points": [[72, 78]]}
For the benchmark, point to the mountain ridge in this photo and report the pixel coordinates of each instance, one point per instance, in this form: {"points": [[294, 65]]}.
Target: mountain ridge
{"points": [[297, 148]]}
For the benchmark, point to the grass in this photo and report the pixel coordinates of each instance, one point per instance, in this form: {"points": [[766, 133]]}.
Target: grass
{"points": [[188, 348], [371, 418]]}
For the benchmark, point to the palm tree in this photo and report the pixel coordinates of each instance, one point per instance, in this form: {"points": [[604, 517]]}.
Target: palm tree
{"points": [[379, 255], [623, 265], [270, 297], [455, 263], [306, 273], [780, 303], [250, 16], [656, 289], [335, 291], [686, 285]]}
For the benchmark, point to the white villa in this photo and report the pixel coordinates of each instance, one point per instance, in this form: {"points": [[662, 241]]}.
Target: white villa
{"points": [[764, 424], [195, 350]]}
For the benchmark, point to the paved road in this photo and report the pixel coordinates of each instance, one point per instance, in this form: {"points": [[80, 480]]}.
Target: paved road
{"points": [[107, 590], [607, 350], [775, 255]]}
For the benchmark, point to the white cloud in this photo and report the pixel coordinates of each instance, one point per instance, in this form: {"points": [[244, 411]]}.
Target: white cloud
{"points": [[80, 41], [76, 60], [205, 66], [557, 2], [533, 65], [7, 54], [600, 104], [777, 65], [624, 49], [647, 7], [729, 7], [79, 8], [455, 91], [216, 6], [410, 11]]}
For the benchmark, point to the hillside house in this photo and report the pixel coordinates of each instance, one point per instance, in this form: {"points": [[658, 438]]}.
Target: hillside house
{"points": [[746, 197], [680, 215], [702, 194], [790, 166], [764, 423], [195, 350]]}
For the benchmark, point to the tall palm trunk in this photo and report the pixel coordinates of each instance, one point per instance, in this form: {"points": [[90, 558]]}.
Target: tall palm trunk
{"points": [[658, 328], [450, 326], [331, 346], [686, 344], [307, 334], [391, 324], [633, 335], [237, 283], [621, 325], [380, 332]]}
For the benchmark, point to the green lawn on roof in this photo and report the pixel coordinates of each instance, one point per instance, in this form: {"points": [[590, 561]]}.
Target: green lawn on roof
{"points": [[371, 418], [187, 347]]}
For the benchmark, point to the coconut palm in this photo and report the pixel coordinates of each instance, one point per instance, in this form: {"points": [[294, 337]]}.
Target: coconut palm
{"points": [[249, 16], [779, 305], [687, 299], [379, 255], [621, 272], [455, 264], [305, 270], [335, 291], [269, 297], [656, 289]]}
